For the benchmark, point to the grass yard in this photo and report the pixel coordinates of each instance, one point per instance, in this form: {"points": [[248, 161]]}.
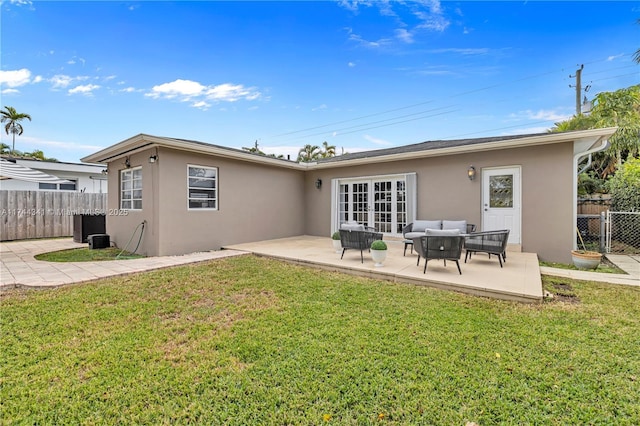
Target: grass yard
{"points": [[85, 254], [253, 341]]}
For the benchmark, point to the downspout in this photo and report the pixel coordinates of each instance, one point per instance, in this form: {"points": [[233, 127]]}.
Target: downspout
{"points": [[577, 158]]}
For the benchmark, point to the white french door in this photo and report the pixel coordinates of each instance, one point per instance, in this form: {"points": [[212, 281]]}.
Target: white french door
{"points": [[383, 203], [501, 201]]}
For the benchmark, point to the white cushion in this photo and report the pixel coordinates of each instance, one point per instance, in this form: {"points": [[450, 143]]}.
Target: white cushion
{"points": [[443, 232], [460, 225], [352, 226], [422, 225], [412, 235]]}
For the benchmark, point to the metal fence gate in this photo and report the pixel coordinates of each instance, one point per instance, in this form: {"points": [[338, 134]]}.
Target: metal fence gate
{"points": [[622, 232]]}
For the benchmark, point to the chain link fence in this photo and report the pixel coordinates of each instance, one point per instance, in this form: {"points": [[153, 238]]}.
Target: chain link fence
{"points": [[622, 230], [610, 232]]}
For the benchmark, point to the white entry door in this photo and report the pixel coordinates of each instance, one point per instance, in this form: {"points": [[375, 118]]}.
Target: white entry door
{"points": [[501, 201]]}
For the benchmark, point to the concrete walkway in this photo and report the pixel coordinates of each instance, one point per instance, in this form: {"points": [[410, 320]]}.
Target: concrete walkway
{"points": [[628, 263], [19, 268]]}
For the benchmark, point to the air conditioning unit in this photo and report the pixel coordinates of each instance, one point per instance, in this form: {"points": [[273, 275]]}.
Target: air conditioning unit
{"points": [[98, 241]]}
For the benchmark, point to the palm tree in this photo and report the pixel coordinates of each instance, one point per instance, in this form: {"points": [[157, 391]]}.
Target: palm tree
{"points": [[13, 126], [308, 153], [328, 150]]}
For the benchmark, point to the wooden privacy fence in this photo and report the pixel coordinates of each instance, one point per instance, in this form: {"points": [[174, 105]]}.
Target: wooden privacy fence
{"points": [[44, 214]]}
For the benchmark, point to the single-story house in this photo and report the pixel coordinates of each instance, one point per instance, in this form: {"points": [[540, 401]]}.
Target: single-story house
{"points": [[80, 177], [194, 196]]}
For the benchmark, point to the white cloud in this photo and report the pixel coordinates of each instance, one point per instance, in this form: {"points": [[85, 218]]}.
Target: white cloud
{"points": [[61, 81], [351, 64], [232, 92], [177, 88], [545, 115], [404, 35], [128, 90], [15, 78], [86, 89], [67, 146], [377, 141], [366, 43], [614, 57], [188, 90], [9, 91], [319, 107], [201, 105]]}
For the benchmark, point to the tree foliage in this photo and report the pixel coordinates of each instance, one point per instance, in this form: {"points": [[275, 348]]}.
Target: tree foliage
{"points": [[12, 118], [612, 109], [309, 153], [624, 187], [256, 150]]}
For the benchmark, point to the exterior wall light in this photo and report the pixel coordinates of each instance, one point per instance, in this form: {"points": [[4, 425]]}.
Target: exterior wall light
{"points": [[471, 172], [127, 163], [318, 183], [153, 158]]}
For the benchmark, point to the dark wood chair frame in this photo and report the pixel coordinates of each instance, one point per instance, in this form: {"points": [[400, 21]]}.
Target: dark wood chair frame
{"points": [[490, 242], [442, 247], [358, 240]]}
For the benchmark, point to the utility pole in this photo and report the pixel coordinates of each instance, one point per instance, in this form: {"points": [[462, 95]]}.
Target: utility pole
{"points": [[578, 87]]}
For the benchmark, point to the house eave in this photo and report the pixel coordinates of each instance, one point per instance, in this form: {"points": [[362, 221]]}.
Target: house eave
{"points": [[142, 142], [590, 137]]}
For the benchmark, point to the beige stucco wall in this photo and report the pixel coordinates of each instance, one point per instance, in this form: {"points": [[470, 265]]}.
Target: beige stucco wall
{"points": [[260, 202], [444, 191], [256, 202]]}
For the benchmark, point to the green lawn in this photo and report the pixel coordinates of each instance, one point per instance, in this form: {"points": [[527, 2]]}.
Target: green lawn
{"points": [[252, 341], [85, 254]]}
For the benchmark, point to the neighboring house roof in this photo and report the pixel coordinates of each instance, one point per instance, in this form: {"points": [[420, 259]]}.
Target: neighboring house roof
{"points": [[588, 138], [11, 170]]}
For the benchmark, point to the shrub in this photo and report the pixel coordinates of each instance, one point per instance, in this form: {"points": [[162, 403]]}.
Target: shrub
{"points": [[624, 188], [335, 236], [378, 245]]}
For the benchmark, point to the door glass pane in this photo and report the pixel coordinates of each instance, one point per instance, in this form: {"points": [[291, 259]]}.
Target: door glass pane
{"points": [[401, 206], [382, 205], [501, 191], [360, 204]]}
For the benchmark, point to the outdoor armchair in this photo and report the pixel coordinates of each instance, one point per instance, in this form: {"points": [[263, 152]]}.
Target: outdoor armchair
{"points": [[445, 247], [358, 240], [490, 242]]}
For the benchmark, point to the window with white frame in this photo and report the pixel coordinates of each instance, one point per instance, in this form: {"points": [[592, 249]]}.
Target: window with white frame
{"points": [[131, 189], [202, 186], [71, 186]]}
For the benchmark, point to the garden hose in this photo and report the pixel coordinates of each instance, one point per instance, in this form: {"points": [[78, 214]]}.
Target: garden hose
{"points": [[143, 223]]}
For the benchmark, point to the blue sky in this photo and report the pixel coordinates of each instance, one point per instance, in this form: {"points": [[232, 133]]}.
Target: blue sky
{"points": [[357, 74]]}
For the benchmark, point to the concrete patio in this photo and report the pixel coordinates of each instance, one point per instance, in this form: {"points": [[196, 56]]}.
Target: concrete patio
{"points": [[519, 280]]}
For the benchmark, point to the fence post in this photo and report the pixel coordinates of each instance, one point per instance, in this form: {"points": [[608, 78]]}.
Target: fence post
{"points": [[603, 222]]}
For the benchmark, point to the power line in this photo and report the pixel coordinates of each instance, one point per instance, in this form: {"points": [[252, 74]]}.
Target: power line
{"points": [[391, 121]]}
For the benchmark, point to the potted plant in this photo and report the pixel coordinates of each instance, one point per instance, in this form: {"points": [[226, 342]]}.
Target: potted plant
{"points": [[378, 252], [337, 245], [585, 259]]}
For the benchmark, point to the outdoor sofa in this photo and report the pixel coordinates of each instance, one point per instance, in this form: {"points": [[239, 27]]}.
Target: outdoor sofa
{"points": [[418, 229]]}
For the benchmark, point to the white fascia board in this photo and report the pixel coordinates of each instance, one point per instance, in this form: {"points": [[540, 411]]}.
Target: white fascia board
{"points": [[142, 142], [589, 137]]}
